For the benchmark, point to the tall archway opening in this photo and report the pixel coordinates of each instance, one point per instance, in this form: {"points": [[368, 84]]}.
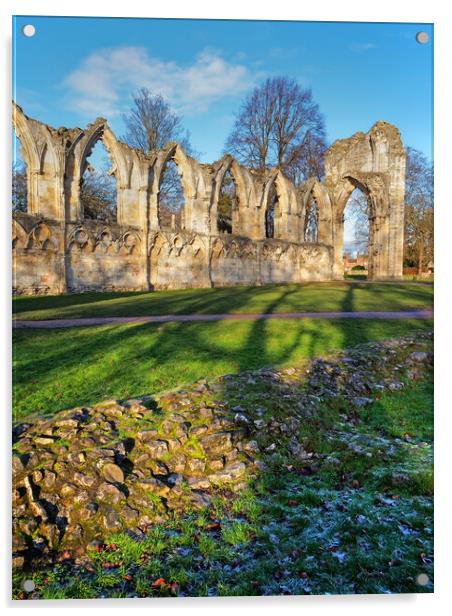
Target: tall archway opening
{"points": [[311, 221], [19, 178], [227, 203], [171, 201], [271, 212], [98, 191], [355, 250]]}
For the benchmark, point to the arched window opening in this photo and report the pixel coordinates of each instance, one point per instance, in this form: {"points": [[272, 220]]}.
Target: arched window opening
{"points": [[311, 221], [170, 198], [98, 186], [270, 212], [227, 202], [356, 235], [19, 179]]}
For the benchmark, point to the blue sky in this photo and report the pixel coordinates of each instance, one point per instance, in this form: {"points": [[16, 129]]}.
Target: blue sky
{"points": [[76, 69]]}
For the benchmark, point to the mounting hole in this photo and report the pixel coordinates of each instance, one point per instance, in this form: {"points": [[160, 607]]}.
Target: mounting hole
{"points": [[29, 585], [422, 579], [422, 37], [28, 30]]}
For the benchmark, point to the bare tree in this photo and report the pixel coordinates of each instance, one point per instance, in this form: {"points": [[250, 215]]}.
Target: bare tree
{"points": [[311, 221], [98, 195], [227, 201], [419, 204], [150, 125], [358, 210], [19, 187], [279, 124], [170, 198], [251, 137], [306, 159]]}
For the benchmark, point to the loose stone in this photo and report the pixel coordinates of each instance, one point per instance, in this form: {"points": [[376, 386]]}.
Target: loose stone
{"points": [[113, 473], [157, 449]]}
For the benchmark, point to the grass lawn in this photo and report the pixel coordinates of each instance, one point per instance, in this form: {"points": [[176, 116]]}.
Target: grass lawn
{"points": [[308, 297], [63, 368], [345, 527]]}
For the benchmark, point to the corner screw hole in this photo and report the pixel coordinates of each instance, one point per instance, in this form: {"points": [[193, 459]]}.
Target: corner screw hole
{"points": [[28, 30], [422, 37]]}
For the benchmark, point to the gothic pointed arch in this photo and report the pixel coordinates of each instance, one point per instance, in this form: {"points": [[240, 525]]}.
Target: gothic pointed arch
{"points": [[77, 162], [23, 128], [43, 152], [316, 212], [173, 151], [374, 163], [175, 187], [230, 197]]}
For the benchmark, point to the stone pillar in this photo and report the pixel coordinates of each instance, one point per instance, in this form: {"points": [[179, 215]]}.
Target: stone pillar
{"points": [[325, 231], [396, 220], [33, 191]]}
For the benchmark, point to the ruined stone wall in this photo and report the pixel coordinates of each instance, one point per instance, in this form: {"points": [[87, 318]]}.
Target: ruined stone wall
{"points": [[38, 256], [57, 250], [110, 256], [52, 258], [186, 261]]}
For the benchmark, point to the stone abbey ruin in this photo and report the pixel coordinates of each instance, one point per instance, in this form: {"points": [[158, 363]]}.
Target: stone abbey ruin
{"points": [[57, 250]]}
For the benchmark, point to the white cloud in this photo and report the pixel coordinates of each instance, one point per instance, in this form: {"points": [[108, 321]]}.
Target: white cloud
{"points": [[104, 80], [360, 47]]}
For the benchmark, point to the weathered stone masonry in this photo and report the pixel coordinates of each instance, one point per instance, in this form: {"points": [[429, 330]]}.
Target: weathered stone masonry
{"points": [[56, 250]]}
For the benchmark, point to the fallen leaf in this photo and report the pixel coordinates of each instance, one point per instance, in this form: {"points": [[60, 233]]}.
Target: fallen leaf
{"points": [[159, 582]]}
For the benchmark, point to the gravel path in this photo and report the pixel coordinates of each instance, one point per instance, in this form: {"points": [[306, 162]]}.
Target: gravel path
{"points": [[63, 323]]}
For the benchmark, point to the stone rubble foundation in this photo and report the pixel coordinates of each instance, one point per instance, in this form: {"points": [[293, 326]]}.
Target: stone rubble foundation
{"points": [[124, 466]]}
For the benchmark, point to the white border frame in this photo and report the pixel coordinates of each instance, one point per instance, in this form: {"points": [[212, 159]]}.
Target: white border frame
{"points": [[436, 11]]}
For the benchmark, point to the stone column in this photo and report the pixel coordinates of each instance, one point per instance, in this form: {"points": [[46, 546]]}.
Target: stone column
{"points": [[33, 191]]}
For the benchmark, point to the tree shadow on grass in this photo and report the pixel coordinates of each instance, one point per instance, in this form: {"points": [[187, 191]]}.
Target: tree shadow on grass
{"points": [[295, 298], [25, 303], [183, 301], [65, 368]]}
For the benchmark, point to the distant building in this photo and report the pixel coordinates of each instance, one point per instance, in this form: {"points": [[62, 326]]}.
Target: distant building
{"points": [[350, 262]]}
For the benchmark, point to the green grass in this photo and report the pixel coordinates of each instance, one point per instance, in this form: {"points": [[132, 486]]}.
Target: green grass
{"points": [[414, 277], [289, 533], [406, 413], [58, 369], [308, 297]]}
